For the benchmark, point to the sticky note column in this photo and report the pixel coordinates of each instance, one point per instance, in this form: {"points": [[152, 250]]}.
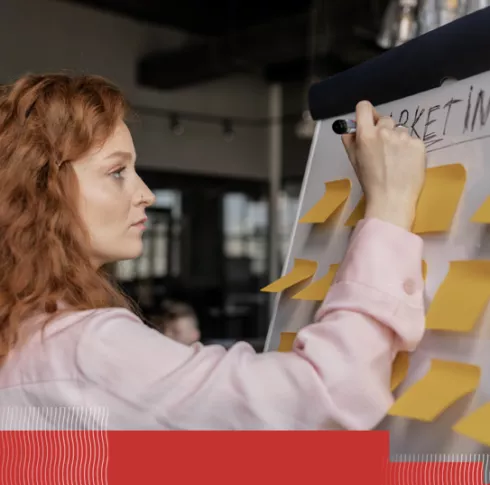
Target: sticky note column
{"points": [[461, 298], [476, 425], [443, 385], [437, 203], [439, 198], [482, 215], [336, 193], [456, 307], [317, 291], [303, 269]]}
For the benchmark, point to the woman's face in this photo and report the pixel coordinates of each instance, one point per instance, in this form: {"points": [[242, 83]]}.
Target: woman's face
{"points": [[113, 199]]}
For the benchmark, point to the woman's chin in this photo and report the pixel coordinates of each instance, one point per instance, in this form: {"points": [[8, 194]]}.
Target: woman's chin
{"points": [[131, 251], [125, 251]]}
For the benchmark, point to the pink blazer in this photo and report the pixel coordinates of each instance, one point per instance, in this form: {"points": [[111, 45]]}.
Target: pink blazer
{"points": [[105, 368]]}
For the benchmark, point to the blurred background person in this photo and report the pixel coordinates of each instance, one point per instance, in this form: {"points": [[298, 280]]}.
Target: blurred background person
{"points": [[178, 321]]}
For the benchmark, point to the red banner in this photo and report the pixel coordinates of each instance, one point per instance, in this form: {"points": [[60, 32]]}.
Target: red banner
{"points": [[148, 458]]}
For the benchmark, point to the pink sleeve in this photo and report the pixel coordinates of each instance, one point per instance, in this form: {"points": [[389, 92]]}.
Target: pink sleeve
{"points": [[336, 377]]}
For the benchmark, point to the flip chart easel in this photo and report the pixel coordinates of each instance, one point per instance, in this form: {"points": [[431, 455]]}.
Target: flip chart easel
{"points": [[454, 122]]}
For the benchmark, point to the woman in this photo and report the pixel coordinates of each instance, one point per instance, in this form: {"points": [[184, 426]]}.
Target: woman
{"points": [[71, 201]]}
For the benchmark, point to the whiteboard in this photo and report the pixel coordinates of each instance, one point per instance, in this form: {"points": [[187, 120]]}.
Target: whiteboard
{"points": [[454, 121]]}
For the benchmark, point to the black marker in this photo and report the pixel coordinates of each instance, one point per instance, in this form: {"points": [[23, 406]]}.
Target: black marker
{"points": [[344, 127], [348, 127]]}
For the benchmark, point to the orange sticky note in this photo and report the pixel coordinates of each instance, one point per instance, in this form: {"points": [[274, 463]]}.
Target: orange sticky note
{"points": [[317, 291], [482, 215], [476, 425], [336, 193], [302, 270], [439, 198], [400, 369], [357, 213], [442, 386], [461, 298], [286, 342]]}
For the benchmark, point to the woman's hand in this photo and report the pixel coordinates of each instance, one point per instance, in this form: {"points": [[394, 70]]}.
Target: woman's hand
{"points": [[390, 165]]}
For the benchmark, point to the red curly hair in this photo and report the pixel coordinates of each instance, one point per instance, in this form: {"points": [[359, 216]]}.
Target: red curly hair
{"points": [[47, 122]]}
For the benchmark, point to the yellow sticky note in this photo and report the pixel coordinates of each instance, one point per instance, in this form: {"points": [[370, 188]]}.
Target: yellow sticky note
{"points": [[357, 213], [482, 215], [476, 425], [336, 193], [442, 386], [424, 269], [286, 343], [317, 291], [400, 369], [439, 198], [302, 270], [461, 298]]}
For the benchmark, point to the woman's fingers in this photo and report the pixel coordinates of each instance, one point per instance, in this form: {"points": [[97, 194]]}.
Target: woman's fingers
{"points": [[389, 163], [386, 122]]}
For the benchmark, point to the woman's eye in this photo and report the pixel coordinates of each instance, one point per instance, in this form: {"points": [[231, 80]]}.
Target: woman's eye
{"points": [[118, 174]]}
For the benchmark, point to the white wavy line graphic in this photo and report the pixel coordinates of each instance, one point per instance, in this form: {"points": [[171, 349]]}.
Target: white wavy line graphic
{"points": [[474, 470], [105, 461], [97, 437], [457, 467], [77, 451], [91, 449], [451, 466], [470, 473], [429, 471], [475, 476], [84, 452], [64, 430], [103, 451], [37, 427], [17, 442], [436, 469], [460, 463], [80, 436], [50, 415], [408, 473], [73, 454], [35, 447], [4, 450], [46, 446], [426, 469], [22, 426], [30, 439], [485, 471], [9, 423], [93, 444], [100, 444], [438, 472]]}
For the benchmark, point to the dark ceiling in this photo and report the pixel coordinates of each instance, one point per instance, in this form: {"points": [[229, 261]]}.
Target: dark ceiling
{"points": [[268, 37], [206, 17]]}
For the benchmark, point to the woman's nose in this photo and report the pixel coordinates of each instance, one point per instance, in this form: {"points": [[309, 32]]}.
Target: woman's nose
{"points": [[147, 197]]}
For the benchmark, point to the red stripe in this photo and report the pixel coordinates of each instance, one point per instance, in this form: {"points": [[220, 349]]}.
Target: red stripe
{"points": [[120, 458]]}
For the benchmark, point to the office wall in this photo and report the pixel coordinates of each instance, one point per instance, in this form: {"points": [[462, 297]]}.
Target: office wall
{"points": [[295, 149], [50, 35]]}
